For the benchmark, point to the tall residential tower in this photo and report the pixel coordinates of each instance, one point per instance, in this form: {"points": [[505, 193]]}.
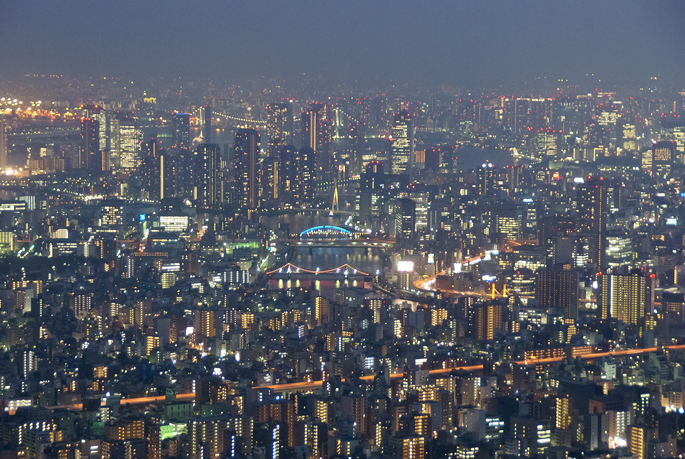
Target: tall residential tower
{"points": [[246, 169]]}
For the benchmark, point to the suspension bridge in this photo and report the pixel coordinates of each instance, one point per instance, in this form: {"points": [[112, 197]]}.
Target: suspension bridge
{"points": [[197, 113], [338, 116]]}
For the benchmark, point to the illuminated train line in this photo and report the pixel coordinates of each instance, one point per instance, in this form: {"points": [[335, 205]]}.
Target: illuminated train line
{"points": [[292, 269]]}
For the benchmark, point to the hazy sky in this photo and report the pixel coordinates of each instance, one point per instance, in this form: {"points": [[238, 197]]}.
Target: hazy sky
{"points": [[459, 41]]}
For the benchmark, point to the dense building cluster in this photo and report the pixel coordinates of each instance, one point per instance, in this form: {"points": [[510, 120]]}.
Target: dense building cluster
{"points": [[195, 271]]}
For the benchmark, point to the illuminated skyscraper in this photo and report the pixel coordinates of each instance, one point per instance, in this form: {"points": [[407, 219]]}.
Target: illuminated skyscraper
{"points": [[488, 319], [98, 115], [591, 215], [306, 165], [626, 297], [402, 149], [246, 168], [663, 157], [90, 144], [208, 189], [279, 126], [562, 418], [126, 142], [271, 180], [3, 144], [316, 134], [181, 131]]}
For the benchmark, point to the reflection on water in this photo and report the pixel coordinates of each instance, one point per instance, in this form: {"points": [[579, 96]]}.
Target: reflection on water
{"points": [[326, 287], [472, 157], [366, 260]]}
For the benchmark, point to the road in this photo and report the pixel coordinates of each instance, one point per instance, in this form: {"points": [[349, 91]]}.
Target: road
{"points": [[304, 386], [313, 385]]}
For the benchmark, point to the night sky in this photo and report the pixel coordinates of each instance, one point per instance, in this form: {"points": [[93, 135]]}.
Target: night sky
{"points": [[432, 41]]}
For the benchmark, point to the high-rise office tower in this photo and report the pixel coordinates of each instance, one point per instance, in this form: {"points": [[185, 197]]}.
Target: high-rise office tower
{"points": [[246, 169], [405, 223], [208, 186], [316, 134], [98, 115], [181, 131], [3, 144], [591, 215], [402, 148], [156, 171], [90, 144], [663, 157], [126, 141], [626, 297], [558, 288], [279, 126], [207, 124]]}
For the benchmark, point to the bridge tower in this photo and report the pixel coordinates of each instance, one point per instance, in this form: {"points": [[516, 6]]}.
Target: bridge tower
{"points": [[335, 207]]}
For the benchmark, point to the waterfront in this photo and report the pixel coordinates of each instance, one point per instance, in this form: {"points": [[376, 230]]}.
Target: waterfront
{"points": [[367, 260]]}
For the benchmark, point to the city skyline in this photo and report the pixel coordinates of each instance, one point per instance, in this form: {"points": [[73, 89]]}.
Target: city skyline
{"points": [[342, 230]]}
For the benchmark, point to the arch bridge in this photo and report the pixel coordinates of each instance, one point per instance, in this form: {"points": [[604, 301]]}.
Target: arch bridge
{"points": [[327, 232]]}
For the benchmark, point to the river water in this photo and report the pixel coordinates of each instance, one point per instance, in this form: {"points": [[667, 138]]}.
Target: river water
{"points": [[366, 260]]}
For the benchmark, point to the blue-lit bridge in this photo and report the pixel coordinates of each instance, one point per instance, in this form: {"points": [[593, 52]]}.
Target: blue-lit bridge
{"points": [[327, 232], [336, 236]]}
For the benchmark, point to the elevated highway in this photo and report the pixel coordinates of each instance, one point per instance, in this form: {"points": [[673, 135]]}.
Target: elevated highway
{"points": [[306, 386]]}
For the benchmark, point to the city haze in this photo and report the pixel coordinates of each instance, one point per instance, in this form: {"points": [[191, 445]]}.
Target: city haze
{"points": [[456, 42]]}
